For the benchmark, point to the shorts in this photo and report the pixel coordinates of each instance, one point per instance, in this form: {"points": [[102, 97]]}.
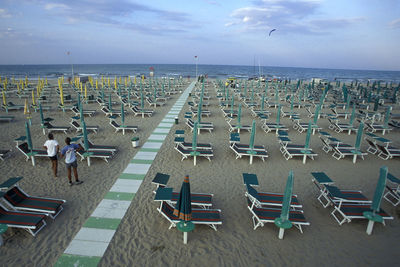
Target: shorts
{"points": [[72, 164], [53, 157]]}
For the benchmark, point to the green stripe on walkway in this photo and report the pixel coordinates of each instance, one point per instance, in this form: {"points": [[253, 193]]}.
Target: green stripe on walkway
{"points": [[102, 223], [77, 261], [142, 161], [120, 196], [132, 176]]}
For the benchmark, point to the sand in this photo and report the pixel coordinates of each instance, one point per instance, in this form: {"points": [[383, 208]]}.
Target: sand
{"points": [[143, 238]]}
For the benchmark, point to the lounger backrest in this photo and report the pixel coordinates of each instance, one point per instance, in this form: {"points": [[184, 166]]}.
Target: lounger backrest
{"points": [[24, 147], [114, 123], [168, 211], [252, 192], [14, 196], [75, 124]]}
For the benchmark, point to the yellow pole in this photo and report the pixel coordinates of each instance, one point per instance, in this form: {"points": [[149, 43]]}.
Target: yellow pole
{"points": [[4, 98], [85, 91], [134, 81], [97, 85]]}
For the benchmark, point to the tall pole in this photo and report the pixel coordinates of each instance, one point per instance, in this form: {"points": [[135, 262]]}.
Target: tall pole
{"points": [[72, 66], [196, 59]]}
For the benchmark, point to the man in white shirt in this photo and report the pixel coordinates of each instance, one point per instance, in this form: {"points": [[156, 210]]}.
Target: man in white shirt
{"points": [[52, 148]]}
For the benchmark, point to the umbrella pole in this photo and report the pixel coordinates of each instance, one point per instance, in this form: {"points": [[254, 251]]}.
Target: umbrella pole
{"points": [[281, 232], [251, 159], [354, 158], [194, 161], [304, 159], [88, 161], [370, 227], [185, 238], [33, 160]]}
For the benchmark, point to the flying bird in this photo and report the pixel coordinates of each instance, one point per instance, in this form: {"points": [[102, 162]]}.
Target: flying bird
{"points": [[271, 32]]}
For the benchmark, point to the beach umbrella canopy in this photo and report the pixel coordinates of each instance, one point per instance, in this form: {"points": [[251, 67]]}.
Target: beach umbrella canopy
{"points": [[308, 136], [109, 103], [316, 114], [387, 116], [376, 104], [345, 93], [373, 216], [348, 102], [239, 115], [28, 137], [85, 137], [283, 221], [194, 141], [291, 103], [199, 111], [183, 209], [79, 100], [81, 113], [122, 115], [232, 104]]}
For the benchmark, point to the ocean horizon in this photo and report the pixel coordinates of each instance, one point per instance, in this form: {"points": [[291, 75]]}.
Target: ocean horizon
{"points": [[53, 71]]}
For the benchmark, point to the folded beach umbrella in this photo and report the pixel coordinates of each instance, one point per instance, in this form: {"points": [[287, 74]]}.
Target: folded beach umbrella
{"points": [[31, 153], [4, 100], [262, 102], [353, 114], [109, 102], [183, 209], [122, 115], [387, 116], [376, 103], [194, 151], [316, 114], [141, 100], [239, 117], [283, 221], [278, 115], [373, 215], [86, 154], [232, 104], [357, 145]]}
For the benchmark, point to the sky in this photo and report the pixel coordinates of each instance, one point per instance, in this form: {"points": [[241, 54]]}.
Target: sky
{"points": [[343, 34]]}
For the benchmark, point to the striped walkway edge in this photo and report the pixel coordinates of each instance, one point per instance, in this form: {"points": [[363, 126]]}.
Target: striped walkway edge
{"points": [[90, 243]]}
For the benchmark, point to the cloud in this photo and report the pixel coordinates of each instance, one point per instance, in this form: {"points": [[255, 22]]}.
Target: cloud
{"points": [[120, 13], [286, 15], [395, 24], [4, 14]]}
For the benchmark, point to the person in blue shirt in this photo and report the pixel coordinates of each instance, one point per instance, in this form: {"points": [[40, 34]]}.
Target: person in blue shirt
{"points": [[70, 159]]}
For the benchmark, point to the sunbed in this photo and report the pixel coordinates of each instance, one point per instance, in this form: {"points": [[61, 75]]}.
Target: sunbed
{"points": [[236, 127], [78, 127], [269, 199], [124, 128], [110, 112], [143, 112], [393, 190], [4, 118], [185, 153], [154, 103], [373, 127], [51, 128], [25, 150], [4, 153], [269, 127], [201, 200], [341, 152], [202, 126], [31, 222], [77, 112], [290, 153], [239, 152], [11, 106], [210, 217], [101, 154], [265, 215], [345, 212], [16, 198], [388, 152], [93, 147]]}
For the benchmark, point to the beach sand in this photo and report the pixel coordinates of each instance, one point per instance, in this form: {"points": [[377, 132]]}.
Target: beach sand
{"points": [[143, 238]]}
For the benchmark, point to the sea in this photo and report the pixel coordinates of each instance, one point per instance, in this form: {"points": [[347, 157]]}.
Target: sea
{"points": [[191, 70]]}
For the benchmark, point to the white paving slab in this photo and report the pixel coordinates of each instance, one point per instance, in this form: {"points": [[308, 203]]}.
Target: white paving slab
{"points": [[86, 248], [161, 130], [168, 120], [157, 137], [126, 186], [137, 168], [154, 145], [146, 155], [162, 124], [94, 234]]}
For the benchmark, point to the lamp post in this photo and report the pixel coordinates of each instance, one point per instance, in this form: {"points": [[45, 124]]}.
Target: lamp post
{"points": [[72, 66]]}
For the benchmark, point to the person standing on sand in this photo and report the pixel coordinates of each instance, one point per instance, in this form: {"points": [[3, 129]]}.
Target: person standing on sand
{"points": [[52, 148], [70, 159]]}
